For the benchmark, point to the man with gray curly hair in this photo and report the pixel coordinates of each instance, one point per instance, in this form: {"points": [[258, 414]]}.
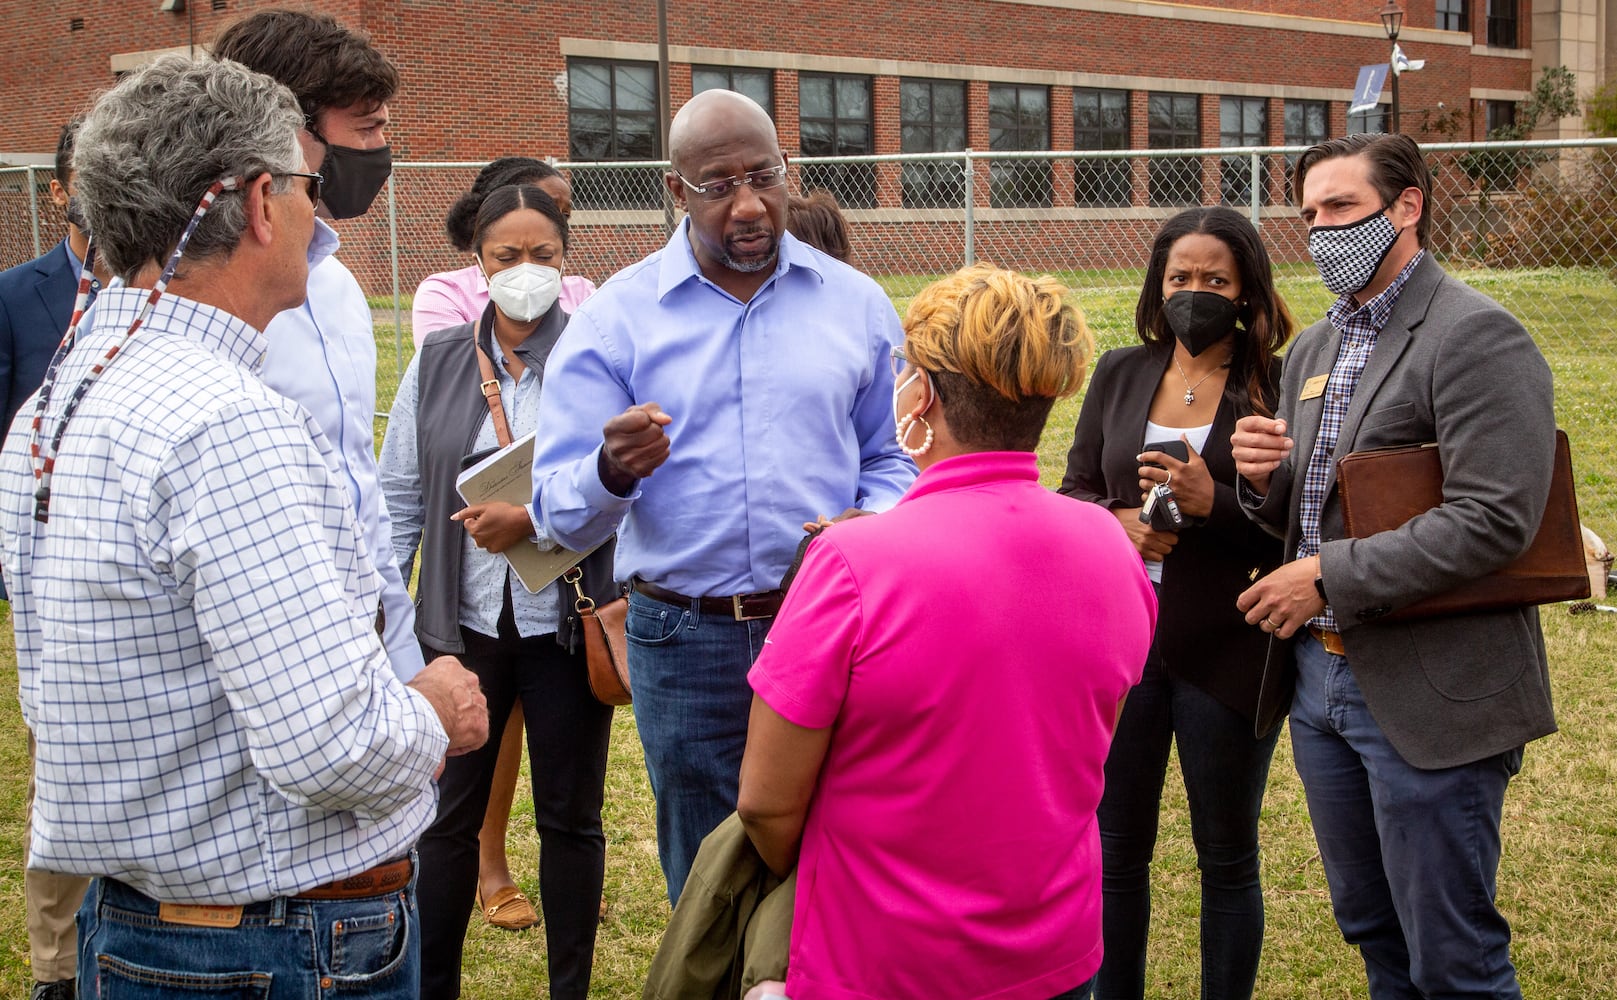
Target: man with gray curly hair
{"points": [[222, 744]]}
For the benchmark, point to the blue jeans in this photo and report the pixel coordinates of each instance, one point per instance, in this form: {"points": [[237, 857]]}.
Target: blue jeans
{"points": [[691, 702], [284, 949], [1411, 855], [1225, 771]]}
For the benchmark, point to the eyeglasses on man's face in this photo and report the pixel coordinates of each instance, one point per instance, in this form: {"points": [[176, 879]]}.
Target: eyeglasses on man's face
{"points": [[725, 188], [312, 189]]}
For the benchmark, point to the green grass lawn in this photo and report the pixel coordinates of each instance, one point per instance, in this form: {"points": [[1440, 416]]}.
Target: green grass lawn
{"points": [[1558, 879]]}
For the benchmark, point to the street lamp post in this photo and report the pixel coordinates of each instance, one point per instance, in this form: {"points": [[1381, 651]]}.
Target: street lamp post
{"points": [[1392, 19]]}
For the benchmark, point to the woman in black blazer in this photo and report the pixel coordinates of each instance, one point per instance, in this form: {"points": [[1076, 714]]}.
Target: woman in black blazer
{"points": [[1209, 322]]}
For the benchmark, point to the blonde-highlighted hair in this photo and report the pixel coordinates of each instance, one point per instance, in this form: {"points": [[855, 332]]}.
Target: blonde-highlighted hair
{"points": [[1004, 329], [1002, 347]]}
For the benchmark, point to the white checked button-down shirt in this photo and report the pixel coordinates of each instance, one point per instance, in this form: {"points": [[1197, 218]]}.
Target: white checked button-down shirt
{"points": [[215, 716], [1358, 327]]}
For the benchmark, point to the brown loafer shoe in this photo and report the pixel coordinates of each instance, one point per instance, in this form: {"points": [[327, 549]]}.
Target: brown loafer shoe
{"points": [[508, 908]]}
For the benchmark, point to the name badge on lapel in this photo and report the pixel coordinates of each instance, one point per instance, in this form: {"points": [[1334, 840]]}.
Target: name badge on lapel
{"points": [[1314, 387]]}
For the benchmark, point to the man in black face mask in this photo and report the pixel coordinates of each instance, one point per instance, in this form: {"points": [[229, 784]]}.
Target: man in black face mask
{"points": [[1405, 733], [343, 85], [323, 353]]}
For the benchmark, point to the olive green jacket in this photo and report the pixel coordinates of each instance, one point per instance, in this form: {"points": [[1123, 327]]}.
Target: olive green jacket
{"points": [[732, 927]]}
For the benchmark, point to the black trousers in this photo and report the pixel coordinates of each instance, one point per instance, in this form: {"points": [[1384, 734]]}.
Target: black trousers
{"points": [[567, 733]]}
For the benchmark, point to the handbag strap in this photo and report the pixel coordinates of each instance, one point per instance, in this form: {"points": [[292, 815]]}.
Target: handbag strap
{"points": [[584, 605], [491, 392]]}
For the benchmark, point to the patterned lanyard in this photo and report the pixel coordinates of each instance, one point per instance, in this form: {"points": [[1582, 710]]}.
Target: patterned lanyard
{"points": [[45, 458]]}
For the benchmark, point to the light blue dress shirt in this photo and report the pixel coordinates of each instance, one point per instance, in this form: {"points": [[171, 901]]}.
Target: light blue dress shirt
{"points": [[782, 411], [323, 355]]}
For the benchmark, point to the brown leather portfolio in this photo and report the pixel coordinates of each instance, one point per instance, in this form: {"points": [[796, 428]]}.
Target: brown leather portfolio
{"points": [[1382, 489]]}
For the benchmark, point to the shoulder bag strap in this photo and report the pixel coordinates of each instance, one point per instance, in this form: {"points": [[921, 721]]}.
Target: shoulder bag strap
{"points": [[491, 391]]}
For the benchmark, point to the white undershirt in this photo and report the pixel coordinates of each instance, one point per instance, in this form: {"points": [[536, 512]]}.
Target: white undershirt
{"points": [[1197, 435], [1155, 432]]}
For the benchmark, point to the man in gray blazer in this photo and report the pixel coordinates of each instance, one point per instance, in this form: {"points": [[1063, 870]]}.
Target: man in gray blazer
{"points": [[1405, 733]]}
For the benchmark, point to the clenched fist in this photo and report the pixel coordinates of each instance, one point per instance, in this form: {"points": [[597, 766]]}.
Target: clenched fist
{"points": [[457, 697], [633, 446], [1259, 445]]}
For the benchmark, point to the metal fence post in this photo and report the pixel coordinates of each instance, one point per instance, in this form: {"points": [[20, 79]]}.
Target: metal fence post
{"points": [[1256, 192], [971, 213], [393, 252], [33, 210]]}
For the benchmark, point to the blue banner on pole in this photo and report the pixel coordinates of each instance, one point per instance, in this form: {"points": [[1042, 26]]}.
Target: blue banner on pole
{"points": [[1367, 91]]}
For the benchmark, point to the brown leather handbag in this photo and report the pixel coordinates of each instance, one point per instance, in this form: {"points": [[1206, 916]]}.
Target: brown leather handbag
{"points": [[1382, 489], [606, 643]]}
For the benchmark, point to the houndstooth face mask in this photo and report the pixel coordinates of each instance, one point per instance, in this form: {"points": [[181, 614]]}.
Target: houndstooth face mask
{"points": [[1348, 256]]}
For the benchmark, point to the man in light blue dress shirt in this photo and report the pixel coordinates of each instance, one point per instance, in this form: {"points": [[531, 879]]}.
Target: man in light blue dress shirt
{"points": [[705, 403], [323, 353]]}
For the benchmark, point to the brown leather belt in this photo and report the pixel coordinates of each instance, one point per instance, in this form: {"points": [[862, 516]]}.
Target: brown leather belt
{"points": [[742, 607], [389, 876], [1332, 641]]}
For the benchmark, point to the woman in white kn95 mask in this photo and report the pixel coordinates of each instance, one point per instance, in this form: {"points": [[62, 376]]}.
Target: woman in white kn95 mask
{"points": [[471, 391], [450, 298]]}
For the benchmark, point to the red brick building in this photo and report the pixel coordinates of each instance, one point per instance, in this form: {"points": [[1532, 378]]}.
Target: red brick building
{"points": [[578, 81], [480, 77]]}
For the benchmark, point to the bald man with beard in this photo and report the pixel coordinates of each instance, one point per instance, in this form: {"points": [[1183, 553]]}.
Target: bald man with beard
{"points": [[705, 403]]}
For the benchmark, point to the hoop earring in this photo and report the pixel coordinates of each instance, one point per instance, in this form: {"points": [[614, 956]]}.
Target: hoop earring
{"points": [[909, 423]]}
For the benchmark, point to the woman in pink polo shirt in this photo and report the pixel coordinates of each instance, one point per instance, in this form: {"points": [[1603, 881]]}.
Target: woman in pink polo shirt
{"points": [[936, 699]]}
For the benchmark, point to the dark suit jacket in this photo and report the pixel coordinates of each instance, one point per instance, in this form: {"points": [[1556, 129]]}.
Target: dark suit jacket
{"points": [[36, 301], [1201, 635], [1451, 366]]}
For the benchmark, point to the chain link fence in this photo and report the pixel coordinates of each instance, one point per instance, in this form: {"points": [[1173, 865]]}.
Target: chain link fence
{"points": [[1533, 224]]}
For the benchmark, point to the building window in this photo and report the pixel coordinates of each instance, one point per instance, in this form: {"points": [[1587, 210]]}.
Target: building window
{"points": [[758, 84], [1306, 124], [1501, 114], [1452, 16], [1018, 120], [1173, 122], [612, 115], [932, 119], [1374, 120], [1502, 23], [1242, 121], [834, 120], [1100, 120]]}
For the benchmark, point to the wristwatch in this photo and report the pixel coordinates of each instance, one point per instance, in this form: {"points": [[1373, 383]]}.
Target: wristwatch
{"points": [[1319, 585]]}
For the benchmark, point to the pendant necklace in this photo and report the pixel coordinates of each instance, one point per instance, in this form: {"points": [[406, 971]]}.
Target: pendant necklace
{"points": [[1190, 390]]}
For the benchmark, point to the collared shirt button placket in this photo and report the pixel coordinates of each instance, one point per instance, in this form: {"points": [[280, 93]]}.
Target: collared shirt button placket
{"points": [[1358, 327]]}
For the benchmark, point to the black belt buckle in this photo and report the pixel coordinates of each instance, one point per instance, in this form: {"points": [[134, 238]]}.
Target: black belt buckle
{"points": [[750, 607]]}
